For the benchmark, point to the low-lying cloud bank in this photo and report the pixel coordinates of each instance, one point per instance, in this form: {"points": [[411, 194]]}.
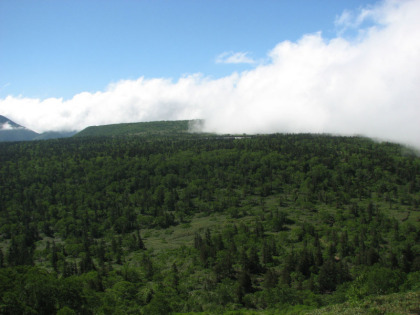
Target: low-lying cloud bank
{"points": [[368, 85]]}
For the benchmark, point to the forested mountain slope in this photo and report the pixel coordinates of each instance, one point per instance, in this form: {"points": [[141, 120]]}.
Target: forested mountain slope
{"points": [[192, 223]]}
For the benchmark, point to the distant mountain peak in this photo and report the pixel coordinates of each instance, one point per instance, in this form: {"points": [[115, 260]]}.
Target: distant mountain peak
{"points": [[11, 131], [7, 124]]}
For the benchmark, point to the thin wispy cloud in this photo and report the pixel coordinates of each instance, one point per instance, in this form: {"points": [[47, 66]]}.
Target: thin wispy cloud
{"points": [[4, 86], [368, 85], [234, 58], [6, 126], [349, 19]]}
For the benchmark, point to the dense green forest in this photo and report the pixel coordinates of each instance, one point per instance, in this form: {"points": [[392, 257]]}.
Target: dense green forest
{"points": [[199, 223]]}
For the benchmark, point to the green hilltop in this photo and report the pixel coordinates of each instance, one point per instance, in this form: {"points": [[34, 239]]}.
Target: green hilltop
{"points": [[139, 129]]}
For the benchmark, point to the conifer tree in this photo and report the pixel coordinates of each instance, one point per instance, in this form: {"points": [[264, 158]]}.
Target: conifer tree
{"points": [[1, 258], [140, 244], [54, 257]]}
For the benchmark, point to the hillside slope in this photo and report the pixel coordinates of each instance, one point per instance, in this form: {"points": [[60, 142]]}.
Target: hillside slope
{"points": [[192, 223]]}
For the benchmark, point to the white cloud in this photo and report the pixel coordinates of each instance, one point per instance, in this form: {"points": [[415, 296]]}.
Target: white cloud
{"points": [[234, 58], [7, 126], [369, 85]]}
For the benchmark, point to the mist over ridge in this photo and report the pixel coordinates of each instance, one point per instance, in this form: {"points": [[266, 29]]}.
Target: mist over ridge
{"points": [[365, 83]]}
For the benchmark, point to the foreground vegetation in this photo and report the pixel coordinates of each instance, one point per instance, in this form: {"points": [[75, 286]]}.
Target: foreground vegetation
{"points": [[190, 223]]}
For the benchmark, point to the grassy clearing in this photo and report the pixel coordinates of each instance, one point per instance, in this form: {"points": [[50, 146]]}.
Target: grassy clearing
{"points": [[392, 304], [182, 234], [398, 303]]}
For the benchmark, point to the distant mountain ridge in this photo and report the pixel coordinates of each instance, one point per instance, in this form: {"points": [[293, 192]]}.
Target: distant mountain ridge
{"points": [[11, 131]]}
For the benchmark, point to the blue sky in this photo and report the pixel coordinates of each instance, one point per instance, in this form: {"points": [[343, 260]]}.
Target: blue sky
{"points": [[328, 66], [61, 48]]}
